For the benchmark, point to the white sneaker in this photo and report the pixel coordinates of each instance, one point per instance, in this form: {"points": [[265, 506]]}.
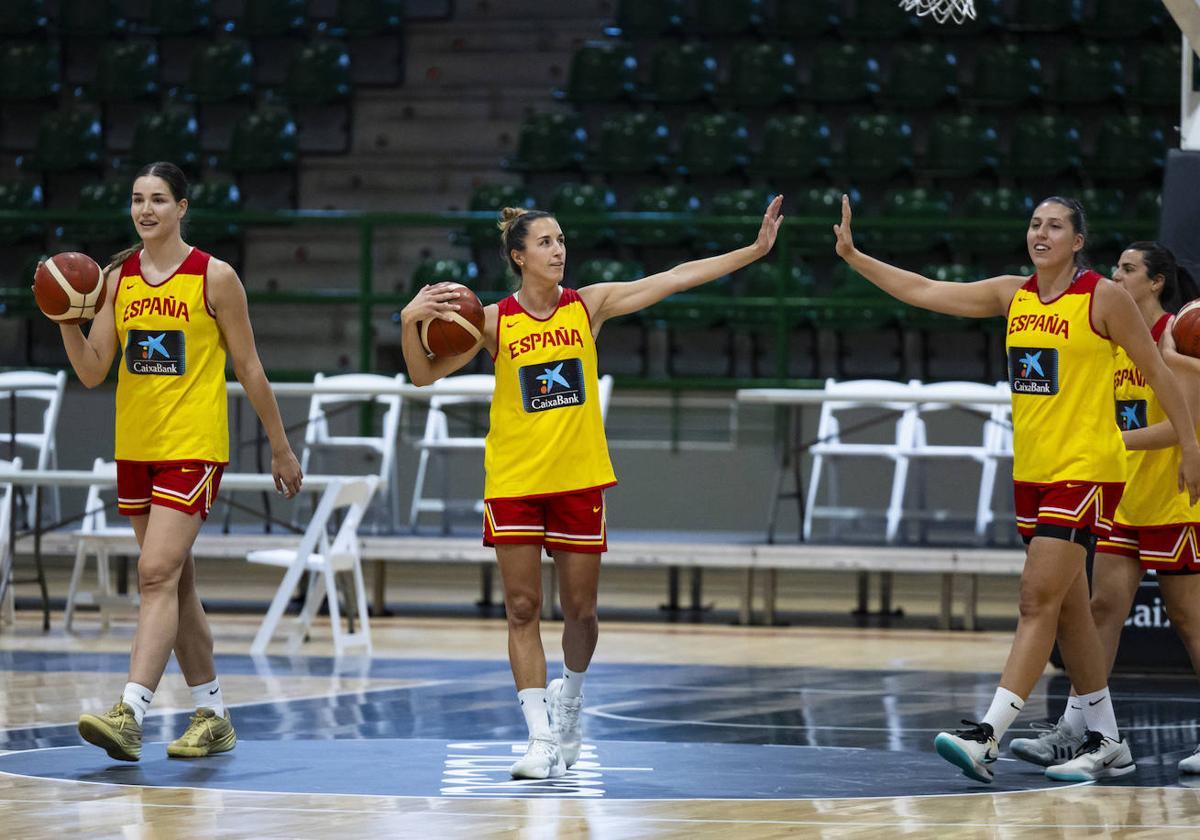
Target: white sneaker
{"points": [[542, 760], [971, 750], [1100, 757], [1056, 743], [1191, 764], [564, 720]]}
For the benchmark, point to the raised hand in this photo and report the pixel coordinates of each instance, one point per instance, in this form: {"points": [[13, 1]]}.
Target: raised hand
{"points": [[845, 239], [772, 219]]}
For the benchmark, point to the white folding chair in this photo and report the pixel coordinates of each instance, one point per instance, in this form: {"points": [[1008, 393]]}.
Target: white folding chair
{"points": [[998, 443], [323, 559], [40, 387], [328, 399], [833, 447], [919, 448], [96, 537], [7, 599]]}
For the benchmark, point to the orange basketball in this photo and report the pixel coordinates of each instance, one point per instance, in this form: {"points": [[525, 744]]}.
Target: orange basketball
{"points": [[1186, 330], [450, 338], [69, 288]]}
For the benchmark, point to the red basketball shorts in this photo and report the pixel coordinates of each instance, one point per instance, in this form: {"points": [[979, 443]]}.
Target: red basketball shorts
{"points": [[568, 521], [188, 486], [1170, 549], [1069, 504]]}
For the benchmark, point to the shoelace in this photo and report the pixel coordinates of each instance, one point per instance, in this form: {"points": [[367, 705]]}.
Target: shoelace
{"points": [[978, 732], [1093, 741]]}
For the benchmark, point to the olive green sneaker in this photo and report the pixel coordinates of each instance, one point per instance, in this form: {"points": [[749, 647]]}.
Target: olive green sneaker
{"points": [[117, 732], [207, 734]]}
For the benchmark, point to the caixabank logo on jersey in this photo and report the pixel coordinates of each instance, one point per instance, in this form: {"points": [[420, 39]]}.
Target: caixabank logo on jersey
{"points": [[1033, 370], [155, 352], [552, 385], [1131, 414]]}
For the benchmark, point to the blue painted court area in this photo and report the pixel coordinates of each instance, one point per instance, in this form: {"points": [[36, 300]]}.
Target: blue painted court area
{"points": [[652, 732]]}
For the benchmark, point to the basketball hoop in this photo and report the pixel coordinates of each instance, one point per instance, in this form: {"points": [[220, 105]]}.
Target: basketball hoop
{"points": [[941, 10]]}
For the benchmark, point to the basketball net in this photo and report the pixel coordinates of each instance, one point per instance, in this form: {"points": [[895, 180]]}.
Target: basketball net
{"points": [[941, 10]]}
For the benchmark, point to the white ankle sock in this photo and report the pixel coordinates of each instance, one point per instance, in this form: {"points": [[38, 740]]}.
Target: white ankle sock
{"points": [[572, 684], [1003, 711], [1099, 714], [1073, 716], [208, 696], [138, 698], [537, 714]]}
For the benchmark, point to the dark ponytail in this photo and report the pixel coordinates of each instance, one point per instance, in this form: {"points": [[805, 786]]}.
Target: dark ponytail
{"points": [[176, 182], [1078, 222], [1178, 285]]}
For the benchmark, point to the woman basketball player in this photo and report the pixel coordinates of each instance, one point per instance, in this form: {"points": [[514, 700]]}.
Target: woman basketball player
{"points": [[546, 457], [1064, 325], [173, 312], [1155, 527]]}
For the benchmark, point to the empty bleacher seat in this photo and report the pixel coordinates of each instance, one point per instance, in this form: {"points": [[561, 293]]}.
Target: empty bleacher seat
{"points": [[28, 71], [918, 204], [962, 145], [1123, 19], [724, 18], [263, 141], [841, 72], [492, 198], [1127, 147], [882, 19], [572, 199], [1044, 146], [549, 143], [68, 141], [181, 17], [794, 146], [90, 18], [601, 71], [318, 74], [216, 195], [221, 72], [1045, 15], [1008, 208], [441, 270], [922, 75], [816, 202], [127, 70], [1006, 75], [713, 144], [22, 18], [1086, 74], [363, 18], [669, 198], [762, 75], [681, 73], [172, 134], [877, 146], [607, 270], [632, 143], [1158, 78], [806, 18], [741, 201], [647, 18], [20, 194], [273, 18], [109, 197]]}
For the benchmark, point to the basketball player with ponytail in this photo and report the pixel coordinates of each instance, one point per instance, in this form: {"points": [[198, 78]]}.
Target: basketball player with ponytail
{"points": [[546, 457], [1065, 326], [1155, 525], [172, 315]]}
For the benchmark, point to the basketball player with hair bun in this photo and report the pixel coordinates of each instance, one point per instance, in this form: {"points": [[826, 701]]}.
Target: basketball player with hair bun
{"points": [[1155, 526], [546, 457], [173, 315], [1065, 326]]}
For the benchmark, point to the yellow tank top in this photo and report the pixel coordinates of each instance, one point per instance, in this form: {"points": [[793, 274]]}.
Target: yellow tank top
{"points": [[171, 403], [1151, 495], [546, 435], [1059, 369]]}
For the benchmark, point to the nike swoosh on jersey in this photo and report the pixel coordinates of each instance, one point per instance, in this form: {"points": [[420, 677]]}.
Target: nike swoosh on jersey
{"points": [[511, 324], [595, 510], [187, 470]]}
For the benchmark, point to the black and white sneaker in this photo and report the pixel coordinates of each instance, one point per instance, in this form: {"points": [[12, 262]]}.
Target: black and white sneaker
{"points": [[1100, 757], [971, 750], [1055, 744]]}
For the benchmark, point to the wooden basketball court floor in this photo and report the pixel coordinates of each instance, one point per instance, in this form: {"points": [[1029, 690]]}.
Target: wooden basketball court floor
{"points": [[691, 731]]}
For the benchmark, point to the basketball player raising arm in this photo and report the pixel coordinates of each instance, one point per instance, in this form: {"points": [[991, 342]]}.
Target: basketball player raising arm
{"points": [[546, 457], [172, 314], [1069, 461]]}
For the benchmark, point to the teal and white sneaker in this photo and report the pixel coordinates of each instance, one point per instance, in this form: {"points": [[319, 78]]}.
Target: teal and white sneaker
{"points": [[1100, 757], [971, 750], [1057, 743], [1191, 764]]}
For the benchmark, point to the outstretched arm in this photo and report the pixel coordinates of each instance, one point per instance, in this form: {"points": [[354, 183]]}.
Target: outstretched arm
{"points": [[438, 301], [609, 300], [982, 299]]}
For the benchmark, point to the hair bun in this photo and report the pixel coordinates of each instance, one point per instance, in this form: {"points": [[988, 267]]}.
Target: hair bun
{"points": [[508, 215]]}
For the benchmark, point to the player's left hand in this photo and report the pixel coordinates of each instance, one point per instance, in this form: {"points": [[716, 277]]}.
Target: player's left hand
{"points": [[285, 469], [772, 219], [1189, 473]]}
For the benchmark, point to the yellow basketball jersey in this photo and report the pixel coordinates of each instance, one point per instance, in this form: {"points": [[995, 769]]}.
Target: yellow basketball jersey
{"points": [[546, 435], [1151, 497], [171, 403], [1060, 370]]}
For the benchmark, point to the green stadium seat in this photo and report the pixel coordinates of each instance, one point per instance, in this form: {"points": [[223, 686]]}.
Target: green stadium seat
{"points": [[647, 18], [1024, 269], [1005, 76], [749, 202], [127, 71], [924, 319], [1045, 15], [713, 144], [794, 146], [1105, 209], [171, 134], [263, 141], [218, 196], [1123, 19], [28, 72], [761, 279], [961, 145], [762, 75], [90, 18], [632, 143], [723, 18], [922, 75], [109, 197], [856, 304], [1128, 147], [1008, 208], [913, 204], [1148, 206], [363, 18], [1158, 77], [68, 141], [583, 200], [437, 270], [1044, 146], [319, 74], [824, 203], [806, 18], [877, 147], [607, 270], [221, 72], [22, 18], [20, 194], [882, 19], [1086, 74], [950, 272], [601, 71], [492, 198], [664, 199], [842, 73], [681, 73], [180, 17], [549, 143], [273, 18]]}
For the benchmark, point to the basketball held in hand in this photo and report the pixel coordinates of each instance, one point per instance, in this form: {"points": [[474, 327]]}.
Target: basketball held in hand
{"points": [[458, 335], [1186, 330], [69, 288]]}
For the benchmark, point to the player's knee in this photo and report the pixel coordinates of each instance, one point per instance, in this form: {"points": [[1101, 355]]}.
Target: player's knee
{"points": [[578, 610], [522, 607], [158, 574], [1183, 619], [1104, 607], [1038, 602]]}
